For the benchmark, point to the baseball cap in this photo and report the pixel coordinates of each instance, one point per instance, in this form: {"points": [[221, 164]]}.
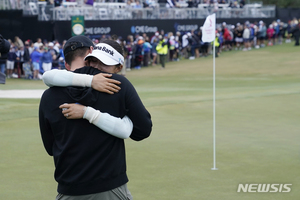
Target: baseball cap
{"points": [[106, 54], [76, 42]]}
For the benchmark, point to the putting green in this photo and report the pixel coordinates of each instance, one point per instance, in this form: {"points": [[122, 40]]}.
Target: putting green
{"points": [[257, 131]]}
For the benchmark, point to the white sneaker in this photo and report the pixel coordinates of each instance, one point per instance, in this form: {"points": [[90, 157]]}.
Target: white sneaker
{"points": [[14, 75], [192, 58]]}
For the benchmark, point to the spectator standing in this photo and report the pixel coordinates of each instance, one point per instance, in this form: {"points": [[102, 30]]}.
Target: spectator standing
{"points": [[4, 49], [154, 51], [270, 34], [31, 47], [162, 50], [262, 33], [185, 45], [217, 44], [254, 29], [288, 32], [129, 48], [204, 48], [281, 32], [147, 51], [4, 46], [296, 31], [46, 60], [27, 62], [54, 53], [138, 54], [198, 43], [3, 58], [35, 58], [246, 37], [11, 59], [20, 60], [239, 36], [172, 44], [177, 49], [221, 40], [276, 26], [192, 45], [227, 38], [61, 57], [178, 46]]}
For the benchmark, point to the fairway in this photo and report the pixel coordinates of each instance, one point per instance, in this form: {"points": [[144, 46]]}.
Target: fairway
{"points": [[257, 131]]}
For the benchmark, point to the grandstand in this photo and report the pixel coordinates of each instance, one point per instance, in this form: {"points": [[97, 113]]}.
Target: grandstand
{"points": [[127, 11]]}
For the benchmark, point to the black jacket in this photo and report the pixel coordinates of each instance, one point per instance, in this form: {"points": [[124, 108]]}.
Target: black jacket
{"points": [[4, 49], [88, 160]]}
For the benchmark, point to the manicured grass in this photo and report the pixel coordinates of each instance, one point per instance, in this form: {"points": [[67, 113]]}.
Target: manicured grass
{"points": [[257, 131]]}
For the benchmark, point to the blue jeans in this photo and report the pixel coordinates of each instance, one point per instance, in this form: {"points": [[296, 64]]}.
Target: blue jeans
{"points": [[2, 67]]}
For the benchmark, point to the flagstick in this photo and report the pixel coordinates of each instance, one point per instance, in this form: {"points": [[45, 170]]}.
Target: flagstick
{"points": [[214, 107]]}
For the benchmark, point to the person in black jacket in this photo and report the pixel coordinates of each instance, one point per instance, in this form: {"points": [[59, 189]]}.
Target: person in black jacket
{"points": [[296, 31], [88, 161], [4, 45], [4, 49], [27, 62]]}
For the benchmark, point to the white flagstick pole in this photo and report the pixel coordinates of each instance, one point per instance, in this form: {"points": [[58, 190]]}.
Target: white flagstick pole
{"points": [[214, 106]]}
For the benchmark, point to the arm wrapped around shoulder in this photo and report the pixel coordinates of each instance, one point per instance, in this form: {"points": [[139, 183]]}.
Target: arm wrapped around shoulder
{"points": [[117, 127], [64, 78]]}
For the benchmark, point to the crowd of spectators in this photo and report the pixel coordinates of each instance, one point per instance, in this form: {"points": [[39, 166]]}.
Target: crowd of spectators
{"points": [[153, 3], [60, 2], [205, 3], [30, 59]]}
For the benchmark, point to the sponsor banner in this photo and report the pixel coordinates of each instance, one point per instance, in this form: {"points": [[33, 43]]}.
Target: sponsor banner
{"points": [[123, 28], [185, 27], [77, 24]]}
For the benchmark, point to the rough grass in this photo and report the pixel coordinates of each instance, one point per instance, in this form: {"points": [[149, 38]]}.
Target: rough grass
{"points": [[257, 131]]}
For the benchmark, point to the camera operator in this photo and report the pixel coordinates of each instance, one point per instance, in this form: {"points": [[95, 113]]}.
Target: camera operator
{"points": [[4, 49]]}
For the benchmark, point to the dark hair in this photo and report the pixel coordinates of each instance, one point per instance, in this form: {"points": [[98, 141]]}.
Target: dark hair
{"points": [[114, 45], [79, 52]]}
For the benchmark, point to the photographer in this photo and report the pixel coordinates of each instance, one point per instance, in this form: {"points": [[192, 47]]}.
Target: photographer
{"points": [[4, 49], [162, 49]]}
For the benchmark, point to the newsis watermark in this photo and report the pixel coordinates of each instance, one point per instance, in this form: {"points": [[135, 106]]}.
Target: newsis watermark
{"points": [[264, 187]]}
